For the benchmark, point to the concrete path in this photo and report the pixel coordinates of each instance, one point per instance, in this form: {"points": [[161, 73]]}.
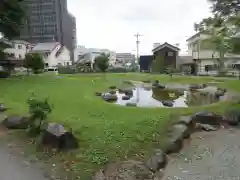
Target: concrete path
{"points": [[16, 168], [208, 156]]}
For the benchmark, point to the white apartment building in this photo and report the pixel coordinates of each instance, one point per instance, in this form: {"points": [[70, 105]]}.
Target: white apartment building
{"points": [[208, 59], [124, 58], [18, 49], [83, 54], [54, 54]]}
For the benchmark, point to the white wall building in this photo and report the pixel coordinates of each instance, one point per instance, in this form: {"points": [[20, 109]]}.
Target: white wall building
{"points": [[18, 49], [125, 58], [208, 58], [82, 54], [54, 54]]}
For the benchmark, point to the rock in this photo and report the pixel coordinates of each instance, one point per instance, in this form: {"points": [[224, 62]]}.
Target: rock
{"points": [[194, 86], [99, 176], [232, 117], [125, 98], [146, 81], [175, 144], [205, 117], [176, 136], [112, 87], [167, 103], [2, 107], [131, 104], [159, 86], [157, 161], [127, 170], [219, 93], [110, 97], [112, 92], [221, 89], [58, 137], [187, 120], [181, 130], [205, 127], [128, 92], [98, 93], [16, 122]]}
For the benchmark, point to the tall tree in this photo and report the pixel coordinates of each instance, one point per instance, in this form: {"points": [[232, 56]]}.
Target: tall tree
{"points": [[11, 16]]}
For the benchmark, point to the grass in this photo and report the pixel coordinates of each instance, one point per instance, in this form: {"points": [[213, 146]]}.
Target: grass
{"points": [[106, 132]]}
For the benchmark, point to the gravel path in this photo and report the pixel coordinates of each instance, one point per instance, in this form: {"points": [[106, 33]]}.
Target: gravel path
{"points": [[208, 156], [16, 168]]}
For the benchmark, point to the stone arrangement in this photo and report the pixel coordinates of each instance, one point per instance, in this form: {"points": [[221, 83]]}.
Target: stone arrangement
{"points": [[153, 167]]}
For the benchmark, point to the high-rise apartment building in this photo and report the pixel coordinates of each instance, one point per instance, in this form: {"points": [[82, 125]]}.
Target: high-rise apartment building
{"points": [[48, 21]]}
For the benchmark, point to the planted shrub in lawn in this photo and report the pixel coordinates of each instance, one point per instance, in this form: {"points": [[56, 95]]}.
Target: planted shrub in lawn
{"points": [[39, 109]]}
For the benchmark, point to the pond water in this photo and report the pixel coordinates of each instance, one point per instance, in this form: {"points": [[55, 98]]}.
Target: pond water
{"points": [[148, 97]]}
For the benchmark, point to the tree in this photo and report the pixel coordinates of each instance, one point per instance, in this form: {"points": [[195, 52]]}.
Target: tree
{"points": [[157, 65], [102, 62], [11, 17], [220, 31], [35, 62]]}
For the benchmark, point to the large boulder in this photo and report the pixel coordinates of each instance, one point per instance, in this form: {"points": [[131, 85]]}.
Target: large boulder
{"points": [[127, 170], [128, 92], [109, 97], [157, 161], [187, 120], [176, 136], [167, 103], [57, 136], [16, 122], [219, 93], [205, 117], [232, 117], [126, 97]]}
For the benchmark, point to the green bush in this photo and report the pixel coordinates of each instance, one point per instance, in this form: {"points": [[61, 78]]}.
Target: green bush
{"points": [[4, 74], [66, 70], [39, 110]]}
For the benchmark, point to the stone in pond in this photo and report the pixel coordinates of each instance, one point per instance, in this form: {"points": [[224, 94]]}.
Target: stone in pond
{"points": [[187, 120], [112, 92], [109, 97], [98, 93], [112, 87], [219, 93], [128, 92], [16, 122], [2, 107], [157, 161], [125, 98], [58, 137], [205, 117], [131, 104], [167, 103]]}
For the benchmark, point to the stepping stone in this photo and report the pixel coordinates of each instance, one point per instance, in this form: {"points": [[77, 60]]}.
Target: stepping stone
{"points": [[157, 161]]}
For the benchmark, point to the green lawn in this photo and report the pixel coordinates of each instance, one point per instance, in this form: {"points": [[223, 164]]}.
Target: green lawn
{"points": [[105, 131]]}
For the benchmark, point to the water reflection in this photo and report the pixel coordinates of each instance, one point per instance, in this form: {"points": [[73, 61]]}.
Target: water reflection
{"points": [[145, 97]]}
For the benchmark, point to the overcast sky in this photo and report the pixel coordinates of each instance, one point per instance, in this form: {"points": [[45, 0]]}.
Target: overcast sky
{"points": [[112, 24]]}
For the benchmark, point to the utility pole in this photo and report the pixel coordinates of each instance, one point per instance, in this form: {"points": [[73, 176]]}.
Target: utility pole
{"points": [[137, 44]]}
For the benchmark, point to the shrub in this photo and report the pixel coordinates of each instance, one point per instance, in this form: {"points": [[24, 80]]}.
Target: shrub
{"points": [[4, 74], [39, 110], [66, 70]]}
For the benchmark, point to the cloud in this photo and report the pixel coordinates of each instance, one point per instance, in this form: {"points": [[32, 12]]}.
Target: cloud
{"points": [[112, 24]]}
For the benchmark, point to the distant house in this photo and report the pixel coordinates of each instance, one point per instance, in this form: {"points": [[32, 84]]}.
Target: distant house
{"points": [[145, 63], [168, 52], [15, 52], [54, 54]]}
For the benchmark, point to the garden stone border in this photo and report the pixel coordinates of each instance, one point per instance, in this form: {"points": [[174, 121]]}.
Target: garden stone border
{"points": [[180, 130]]}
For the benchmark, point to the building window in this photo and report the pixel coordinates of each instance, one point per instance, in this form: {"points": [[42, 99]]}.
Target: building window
{"points": [[170, 53]]}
